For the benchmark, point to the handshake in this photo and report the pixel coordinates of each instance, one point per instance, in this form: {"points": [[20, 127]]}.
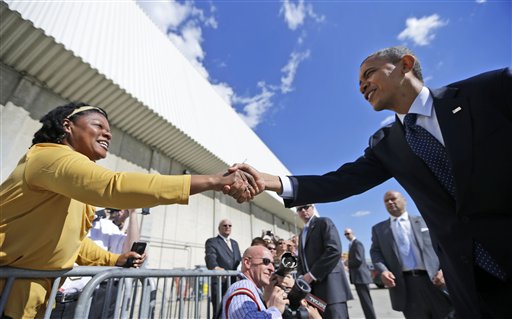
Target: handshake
{"points": [[243, 182]]}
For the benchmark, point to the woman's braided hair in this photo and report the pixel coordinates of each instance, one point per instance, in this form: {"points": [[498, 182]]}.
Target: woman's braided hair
{"points": [[53, 129]]}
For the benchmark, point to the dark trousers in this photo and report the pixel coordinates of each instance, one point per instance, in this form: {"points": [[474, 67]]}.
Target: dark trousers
{"points": [[363, 292], [66, 310], [424, 300], [336, 311], [495, 295]]}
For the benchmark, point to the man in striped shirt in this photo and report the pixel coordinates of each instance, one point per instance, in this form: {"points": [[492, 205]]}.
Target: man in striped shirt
{"points": [[245, 298]]}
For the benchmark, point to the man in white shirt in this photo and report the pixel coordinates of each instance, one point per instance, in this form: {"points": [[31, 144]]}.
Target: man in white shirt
{"points": [[108, 236]]}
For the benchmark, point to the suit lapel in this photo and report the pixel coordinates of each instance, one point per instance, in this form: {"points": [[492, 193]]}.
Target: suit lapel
{"points": [[225, 246], [388, 239], [416, 231], [310, 230], [454, 120], [411, 162]]}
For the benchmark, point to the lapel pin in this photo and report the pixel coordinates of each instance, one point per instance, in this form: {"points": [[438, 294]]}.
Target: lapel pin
{"points": [[457, 109]]}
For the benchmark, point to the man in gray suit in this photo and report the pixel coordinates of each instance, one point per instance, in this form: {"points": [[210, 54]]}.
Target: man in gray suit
{"points": [[359, 273], [222, 253], [320, 262], [402, 252]]}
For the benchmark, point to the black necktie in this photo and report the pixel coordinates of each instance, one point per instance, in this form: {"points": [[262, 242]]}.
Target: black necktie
{"points": [[432, 152]]}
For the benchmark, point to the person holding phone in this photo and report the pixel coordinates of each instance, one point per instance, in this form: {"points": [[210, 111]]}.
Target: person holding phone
{"points": [[57, 184]]}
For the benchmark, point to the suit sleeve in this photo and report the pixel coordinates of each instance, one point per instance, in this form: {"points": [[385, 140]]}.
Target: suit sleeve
{"points": [[324, 265], [210, 254], [357, 258], [348, 180], [376, 252]]}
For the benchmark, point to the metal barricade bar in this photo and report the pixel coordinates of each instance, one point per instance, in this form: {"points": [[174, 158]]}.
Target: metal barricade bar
{"points": [[142, 293]]}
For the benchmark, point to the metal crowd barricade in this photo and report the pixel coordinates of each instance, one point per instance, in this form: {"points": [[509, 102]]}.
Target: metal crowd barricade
{"points": [[142, 293]]}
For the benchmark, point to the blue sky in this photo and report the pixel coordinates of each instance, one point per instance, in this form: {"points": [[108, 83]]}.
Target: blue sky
{"points": [[290, 69]]}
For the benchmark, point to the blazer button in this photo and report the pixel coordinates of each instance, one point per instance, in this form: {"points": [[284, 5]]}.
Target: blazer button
{"points": [[464, 259]]}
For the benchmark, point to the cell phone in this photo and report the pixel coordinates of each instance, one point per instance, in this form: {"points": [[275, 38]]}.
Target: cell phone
{"points": [[139, 247]]}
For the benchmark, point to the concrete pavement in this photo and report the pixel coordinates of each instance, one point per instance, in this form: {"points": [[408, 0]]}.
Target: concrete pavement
{"points": [[381, 304]]}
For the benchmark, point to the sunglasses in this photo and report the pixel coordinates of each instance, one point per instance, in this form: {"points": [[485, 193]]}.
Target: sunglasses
{"points": [[305, 207], [271, 248], [346, 234], [265, 261], [227, 225]]}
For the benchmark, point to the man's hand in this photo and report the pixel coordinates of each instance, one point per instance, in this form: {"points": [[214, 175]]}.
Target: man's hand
{"points": [[307, 277], [239, 185], [312, 311], [285, 282], [388, 279], [438, 279], [276, 297], [138, 260]]}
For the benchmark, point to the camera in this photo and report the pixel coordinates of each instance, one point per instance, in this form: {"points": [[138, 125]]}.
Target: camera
{"points": [[287, 264], [298, 292]]}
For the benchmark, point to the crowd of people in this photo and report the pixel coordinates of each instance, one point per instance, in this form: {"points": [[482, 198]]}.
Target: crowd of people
{"points": [[449, 148]]}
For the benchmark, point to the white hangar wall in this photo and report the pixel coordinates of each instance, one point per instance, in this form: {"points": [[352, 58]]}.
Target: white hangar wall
{"points": [[165, 117]]}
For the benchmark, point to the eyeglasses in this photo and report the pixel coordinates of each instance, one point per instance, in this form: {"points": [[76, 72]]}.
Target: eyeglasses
{"points": [[265, 261], [227, 225], [305, 207]]}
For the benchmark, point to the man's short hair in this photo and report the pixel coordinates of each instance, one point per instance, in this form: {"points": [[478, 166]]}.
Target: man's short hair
{"points": [[395, 54]]}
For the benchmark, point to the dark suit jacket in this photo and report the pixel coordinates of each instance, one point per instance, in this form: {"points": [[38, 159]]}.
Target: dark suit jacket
{"points": [[323, 256], [385, 255], [357, 266], [478, 139], [218, 254]]}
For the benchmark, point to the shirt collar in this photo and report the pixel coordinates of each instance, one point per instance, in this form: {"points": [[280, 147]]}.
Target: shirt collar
{"points": [[422, 105], [225, 238], [404, 216]]}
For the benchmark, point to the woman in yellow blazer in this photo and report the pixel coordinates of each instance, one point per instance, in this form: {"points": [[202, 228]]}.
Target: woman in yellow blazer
{"points": [[46, 203]]}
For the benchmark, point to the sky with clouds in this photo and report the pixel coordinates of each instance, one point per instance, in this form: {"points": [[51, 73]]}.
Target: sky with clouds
{"points": [[290, 70]]}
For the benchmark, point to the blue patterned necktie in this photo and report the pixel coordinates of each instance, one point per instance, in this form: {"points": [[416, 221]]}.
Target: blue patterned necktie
{"points": [[432, 152], [404, 245]]}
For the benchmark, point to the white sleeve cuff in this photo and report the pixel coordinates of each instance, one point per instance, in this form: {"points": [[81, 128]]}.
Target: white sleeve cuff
{"points": [[287, 187]]}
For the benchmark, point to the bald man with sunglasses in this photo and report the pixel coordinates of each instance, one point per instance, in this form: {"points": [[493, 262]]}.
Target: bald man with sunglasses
{"points": [[255, 295]]}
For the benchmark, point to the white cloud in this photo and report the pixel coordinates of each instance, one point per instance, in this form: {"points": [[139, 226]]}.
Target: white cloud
{"points": [[182, 24], [361, 213], [257, 105], [388, 120], [481, 1], [225, 91], [290, 70], [295, 14], [421, 31]]}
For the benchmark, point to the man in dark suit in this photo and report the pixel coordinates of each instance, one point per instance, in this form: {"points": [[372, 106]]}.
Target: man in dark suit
{"points": [[320, 262], [465, 203], [359, 273], [221, 253], [403, 255]]}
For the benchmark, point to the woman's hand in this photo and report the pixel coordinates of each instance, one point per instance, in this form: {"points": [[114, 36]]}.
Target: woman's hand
{"points": [[136, 260]]}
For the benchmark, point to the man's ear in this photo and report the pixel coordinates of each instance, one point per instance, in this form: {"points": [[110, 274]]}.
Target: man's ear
{"points": [[408, 62]]}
